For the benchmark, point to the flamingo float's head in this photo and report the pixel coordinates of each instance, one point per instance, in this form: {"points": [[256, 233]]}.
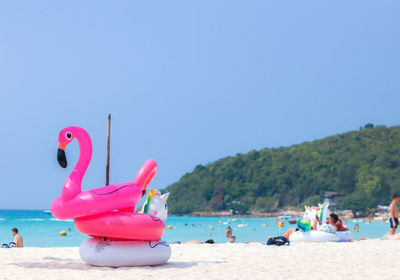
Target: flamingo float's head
{"points": [[64, 138]]}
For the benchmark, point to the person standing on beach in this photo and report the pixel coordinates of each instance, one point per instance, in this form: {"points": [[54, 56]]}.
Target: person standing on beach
{"points": [[394, 214], [19, 242]]}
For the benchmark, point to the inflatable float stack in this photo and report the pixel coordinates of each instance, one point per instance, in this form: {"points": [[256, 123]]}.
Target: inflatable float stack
{"points": [[120, 237]]}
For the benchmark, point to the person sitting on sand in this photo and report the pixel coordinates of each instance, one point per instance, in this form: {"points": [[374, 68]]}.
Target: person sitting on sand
{"points": [[329, 227], [394, 214], [228, 232], [340, 227], [19, 242]]}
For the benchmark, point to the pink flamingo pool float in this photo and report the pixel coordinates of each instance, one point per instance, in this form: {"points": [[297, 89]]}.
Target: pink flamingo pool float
{"points": [[106, 213]]}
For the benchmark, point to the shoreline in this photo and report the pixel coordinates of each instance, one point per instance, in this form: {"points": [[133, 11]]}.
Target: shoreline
{"points": [[291, 213]]}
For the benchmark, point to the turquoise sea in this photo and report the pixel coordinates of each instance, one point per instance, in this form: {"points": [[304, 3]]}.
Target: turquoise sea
{"points": [[40, 229]]}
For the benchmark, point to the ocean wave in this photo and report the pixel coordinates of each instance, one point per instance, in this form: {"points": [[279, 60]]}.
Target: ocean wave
{"points": [[33, 219], [54, 219]]}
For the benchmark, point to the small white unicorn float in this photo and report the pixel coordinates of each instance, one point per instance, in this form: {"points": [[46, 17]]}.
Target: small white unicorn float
{"points": [[156, 205], [322, 211]]}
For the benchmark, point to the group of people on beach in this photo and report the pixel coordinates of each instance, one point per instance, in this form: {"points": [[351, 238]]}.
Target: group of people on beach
{"points": [[333, 225]]}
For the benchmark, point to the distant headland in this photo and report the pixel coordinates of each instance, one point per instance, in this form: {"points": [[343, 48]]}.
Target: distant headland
{"points": [[356, 170]]}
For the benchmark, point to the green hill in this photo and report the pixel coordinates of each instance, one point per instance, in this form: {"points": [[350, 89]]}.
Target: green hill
{"points": [[362, 166]]}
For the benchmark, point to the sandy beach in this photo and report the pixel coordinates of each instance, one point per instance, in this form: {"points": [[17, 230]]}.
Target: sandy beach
{"points": [[370, 259]]}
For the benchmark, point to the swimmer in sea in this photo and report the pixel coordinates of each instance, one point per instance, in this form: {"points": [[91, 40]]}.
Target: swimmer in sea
{"points": [[394, 214], [228, 232]]}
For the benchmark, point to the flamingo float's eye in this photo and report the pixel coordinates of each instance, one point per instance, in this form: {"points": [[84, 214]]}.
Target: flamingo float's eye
{"points": [[68, 135]]}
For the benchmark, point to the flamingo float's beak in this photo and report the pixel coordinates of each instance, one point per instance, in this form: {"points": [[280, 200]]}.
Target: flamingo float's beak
{"points": [[62, 160]]}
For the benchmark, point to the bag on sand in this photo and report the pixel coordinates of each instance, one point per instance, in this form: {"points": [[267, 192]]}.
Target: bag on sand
{"points": [[278, 241], [9, 245]]}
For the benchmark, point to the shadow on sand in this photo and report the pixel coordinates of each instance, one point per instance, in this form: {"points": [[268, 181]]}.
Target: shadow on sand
{"points": [[71, 264]]}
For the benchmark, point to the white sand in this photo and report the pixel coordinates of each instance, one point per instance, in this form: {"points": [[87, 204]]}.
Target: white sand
{"points": [[371, 259]]}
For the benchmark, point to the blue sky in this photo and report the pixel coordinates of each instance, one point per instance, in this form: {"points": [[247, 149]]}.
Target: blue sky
{"points": [[186, 82]]}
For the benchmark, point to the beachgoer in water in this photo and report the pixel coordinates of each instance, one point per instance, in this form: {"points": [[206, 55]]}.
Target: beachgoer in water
{"points": [[19, 242], [228, 232], [394, 214], [356, 227], [329, 227], [232, 240]]}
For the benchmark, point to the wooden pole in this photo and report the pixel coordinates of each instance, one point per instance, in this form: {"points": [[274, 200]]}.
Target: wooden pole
{"points": [[108, 151]]}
